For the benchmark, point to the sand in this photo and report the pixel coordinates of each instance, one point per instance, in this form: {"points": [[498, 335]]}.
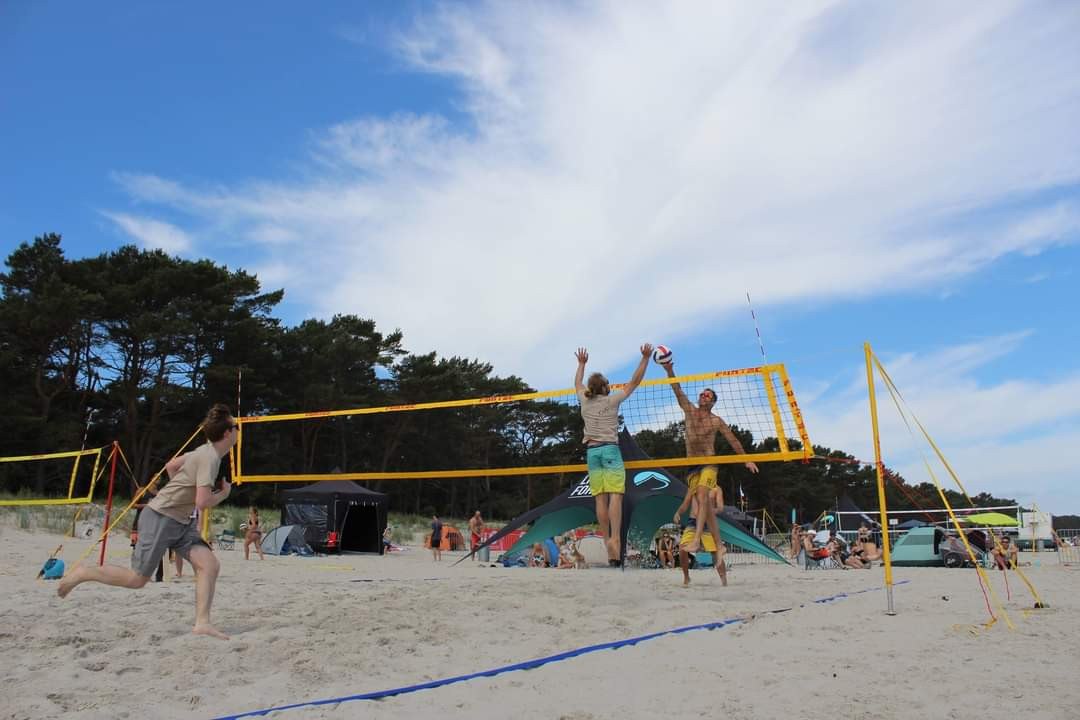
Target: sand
{"points": [[308, 629]]}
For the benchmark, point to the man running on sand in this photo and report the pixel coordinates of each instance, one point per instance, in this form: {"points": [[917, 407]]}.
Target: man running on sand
{"points": [[166, 523], [701, 429]]}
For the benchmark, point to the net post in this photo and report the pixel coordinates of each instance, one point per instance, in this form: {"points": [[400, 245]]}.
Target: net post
{"points": [[108, 503], [774, 406], [878, 467]]}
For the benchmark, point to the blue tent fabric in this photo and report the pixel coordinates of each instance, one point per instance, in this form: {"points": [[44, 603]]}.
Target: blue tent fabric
{"points": [[552, 552]]}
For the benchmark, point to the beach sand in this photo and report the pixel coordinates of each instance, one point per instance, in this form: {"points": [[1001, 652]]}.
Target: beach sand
{"points": [[309, 629]]}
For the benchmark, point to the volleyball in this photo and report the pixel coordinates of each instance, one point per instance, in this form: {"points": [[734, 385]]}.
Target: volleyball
{"points": [[662, 355]]}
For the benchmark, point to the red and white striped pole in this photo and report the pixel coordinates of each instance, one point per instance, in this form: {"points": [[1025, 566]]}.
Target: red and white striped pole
{"points": [[761, 345]]}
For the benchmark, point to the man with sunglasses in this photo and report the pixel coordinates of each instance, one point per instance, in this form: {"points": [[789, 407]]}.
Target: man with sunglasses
{"points": [[166, 523], [701, 428]]}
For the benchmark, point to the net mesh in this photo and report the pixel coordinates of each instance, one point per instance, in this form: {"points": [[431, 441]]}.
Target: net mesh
{"points": [[508, 435], [65, 478]]}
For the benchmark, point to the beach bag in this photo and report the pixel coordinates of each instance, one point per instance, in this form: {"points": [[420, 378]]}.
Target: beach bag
{"points": [[53, 569]]}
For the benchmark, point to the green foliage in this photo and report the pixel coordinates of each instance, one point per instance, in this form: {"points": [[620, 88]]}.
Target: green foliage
{"points": [[142, 343]]}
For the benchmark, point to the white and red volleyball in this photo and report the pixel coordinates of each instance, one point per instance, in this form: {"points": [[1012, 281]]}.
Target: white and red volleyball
{"points": [[662, 355]]}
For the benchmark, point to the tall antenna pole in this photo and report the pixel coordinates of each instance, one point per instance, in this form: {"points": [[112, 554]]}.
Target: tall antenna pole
{"points": [[761, 345]]}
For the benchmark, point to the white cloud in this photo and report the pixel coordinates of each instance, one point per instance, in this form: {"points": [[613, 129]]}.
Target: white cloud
{"points": [[152, 234], [1012, 438], [820, 150]]}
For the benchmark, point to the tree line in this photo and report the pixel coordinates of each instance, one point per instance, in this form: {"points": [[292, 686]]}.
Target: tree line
{"points": [[133, 345]]}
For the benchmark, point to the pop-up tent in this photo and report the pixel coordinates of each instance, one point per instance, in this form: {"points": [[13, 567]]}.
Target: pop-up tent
{"points": [[451, 539], [919, 547], [652, 496], [911, 524], [284, 540], [355, 515]]}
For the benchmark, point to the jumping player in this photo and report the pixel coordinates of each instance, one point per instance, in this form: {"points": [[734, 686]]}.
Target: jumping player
{"points": [[607, 476], [701, 428]]}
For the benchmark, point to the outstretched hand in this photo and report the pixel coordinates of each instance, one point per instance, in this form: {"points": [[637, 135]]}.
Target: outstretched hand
{"points": [[582, 355], [752, 467], [646, 350]]}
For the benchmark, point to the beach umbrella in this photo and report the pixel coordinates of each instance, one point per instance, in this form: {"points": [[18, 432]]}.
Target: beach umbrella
{"points": [[991, 518]]}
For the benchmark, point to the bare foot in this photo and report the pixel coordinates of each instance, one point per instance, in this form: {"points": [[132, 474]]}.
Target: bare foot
{"points": [[69, 581], [686, 582], [210, 630]]}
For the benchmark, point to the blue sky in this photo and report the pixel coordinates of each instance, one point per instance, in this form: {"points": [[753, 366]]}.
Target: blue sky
{"points": [[510, 181]]}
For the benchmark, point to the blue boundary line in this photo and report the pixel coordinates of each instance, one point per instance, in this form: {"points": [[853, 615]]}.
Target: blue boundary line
{"points": [[537, 662]]}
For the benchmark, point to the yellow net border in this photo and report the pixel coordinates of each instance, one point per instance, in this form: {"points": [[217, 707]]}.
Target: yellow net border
{"points": [[69, 500]]}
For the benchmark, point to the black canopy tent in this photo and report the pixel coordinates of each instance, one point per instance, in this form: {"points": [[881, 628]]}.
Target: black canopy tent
{"points": [[356, 514]]}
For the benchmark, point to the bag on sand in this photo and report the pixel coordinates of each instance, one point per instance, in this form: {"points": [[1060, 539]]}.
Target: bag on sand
{"points": [[53, 569]]}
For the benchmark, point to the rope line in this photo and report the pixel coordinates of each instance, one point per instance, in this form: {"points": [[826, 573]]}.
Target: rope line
{"points": [[538, 662]]}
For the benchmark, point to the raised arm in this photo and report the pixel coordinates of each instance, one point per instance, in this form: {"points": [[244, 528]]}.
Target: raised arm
{"points": [[733, 441], [639, 372], [680, 396], [582, 356]]}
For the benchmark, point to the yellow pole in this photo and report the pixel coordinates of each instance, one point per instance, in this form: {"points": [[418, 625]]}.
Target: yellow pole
{"points": [[1034, 510], [878, 467]]}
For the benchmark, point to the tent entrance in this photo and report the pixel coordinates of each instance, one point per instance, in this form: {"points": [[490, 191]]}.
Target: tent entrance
{"points": [[360, 531]]}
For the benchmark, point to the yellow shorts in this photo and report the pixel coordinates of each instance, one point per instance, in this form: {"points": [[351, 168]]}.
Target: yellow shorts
{"points": [[702, 477], [707, 543]]}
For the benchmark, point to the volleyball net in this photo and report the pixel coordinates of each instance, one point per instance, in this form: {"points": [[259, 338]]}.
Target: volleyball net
{"points": [[77, 470], [529, 433]]}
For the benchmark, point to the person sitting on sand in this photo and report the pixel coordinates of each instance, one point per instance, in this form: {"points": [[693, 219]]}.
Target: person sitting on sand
{"points": [[845, 558], [166, 523], [1005, 553], [566, 556], [387, 535], [537, 558], [579, 559], [864, 533], [665, 550]]}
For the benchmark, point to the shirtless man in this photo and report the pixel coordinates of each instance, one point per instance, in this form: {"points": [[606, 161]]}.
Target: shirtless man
{"points": [[1005, 554], [701, 428], [166, 523], [476, 533]]}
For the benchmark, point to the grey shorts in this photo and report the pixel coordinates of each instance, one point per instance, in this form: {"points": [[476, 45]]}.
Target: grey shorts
{"points": [[158, 534]]}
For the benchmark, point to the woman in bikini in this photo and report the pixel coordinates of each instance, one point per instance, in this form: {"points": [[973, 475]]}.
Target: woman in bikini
{"points": [[253, 535]]}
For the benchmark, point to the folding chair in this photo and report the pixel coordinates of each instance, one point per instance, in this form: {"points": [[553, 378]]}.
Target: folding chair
{"points": [[226, 540]]}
